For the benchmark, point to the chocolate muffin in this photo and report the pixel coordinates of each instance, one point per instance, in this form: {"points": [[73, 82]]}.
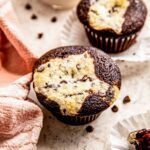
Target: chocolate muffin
{"points": [[76, 83], [141, 139], [112, 25]]}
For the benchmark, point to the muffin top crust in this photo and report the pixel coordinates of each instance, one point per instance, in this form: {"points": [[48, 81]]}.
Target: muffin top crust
{"points": [[112, 17], [108, 14], [68, 78]]}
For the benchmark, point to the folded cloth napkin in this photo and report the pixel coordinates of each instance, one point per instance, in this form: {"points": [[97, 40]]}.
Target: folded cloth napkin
{"points": [[20, 118]]}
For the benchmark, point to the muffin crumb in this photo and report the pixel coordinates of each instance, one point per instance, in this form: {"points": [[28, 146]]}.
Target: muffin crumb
{"points": [[28, 6], [89, 129], [115, 109], [34, 17], [40, 35], [54, 19], [126, 100]]}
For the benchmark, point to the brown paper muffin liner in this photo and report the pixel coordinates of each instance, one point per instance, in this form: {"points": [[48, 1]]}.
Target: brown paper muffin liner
{"points": [[77, 120], [110, 44]]}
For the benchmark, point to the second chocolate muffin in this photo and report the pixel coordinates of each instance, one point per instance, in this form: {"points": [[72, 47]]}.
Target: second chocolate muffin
{"points": [[76, 83], [112, 25]]}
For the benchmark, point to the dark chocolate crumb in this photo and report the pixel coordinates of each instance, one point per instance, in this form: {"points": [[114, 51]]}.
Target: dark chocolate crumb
{"points": [[89, 129], [34, 17], [134, 54], [115, 108], [54, 19], [28, 6], [126, 100], [63, 81], [40, 69], [40, 35]]}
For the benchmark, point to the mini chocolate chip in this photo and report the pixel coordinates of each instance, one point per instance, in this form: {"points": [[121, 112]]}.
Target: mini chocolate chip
{"points": [[126, 100], [54, 19], [80, 94], [60, 77], [49, 86], [72, 73], [134, 54], [34, 17], [114, 108], [40, 69], [78, 66], [140, 133], [49, 65], [89, 129], [28, 6], [64, 110], [40, 35], [85, 78], [63, 81]]}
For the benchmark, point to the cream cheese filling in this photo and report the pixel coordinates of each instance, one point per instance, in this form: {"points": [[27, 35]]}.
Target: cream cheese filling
{"points": [[108, 14], [69, 81]]}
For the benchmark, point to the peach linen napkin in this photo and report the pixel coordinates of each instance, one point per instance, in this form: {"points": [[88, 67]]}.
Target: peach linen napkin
{"points": [[20, 118]]}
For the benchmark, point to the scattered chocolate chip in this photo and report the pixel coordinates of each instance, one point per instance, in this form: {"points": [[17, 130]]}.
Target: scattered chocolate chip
{"points": [[126, 100], [60, 77], [40, 69], [78, 66], [34, 17], [54, 19], [40, 35], [114, 108], [134, 54], [63, 81], [49, 65], [28, 7], [89, 129]]}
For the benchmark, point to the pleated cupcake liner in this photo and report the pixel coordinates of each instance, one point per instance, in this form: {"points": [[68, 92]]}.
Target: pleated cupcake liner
{"points": [[77, 120], [110, 44], [120, 132]]}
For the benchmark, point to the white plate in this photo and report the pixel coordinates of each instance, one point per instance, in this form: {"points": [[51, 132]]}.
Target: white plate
{"points": [[121, 130], [73, 34]]}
